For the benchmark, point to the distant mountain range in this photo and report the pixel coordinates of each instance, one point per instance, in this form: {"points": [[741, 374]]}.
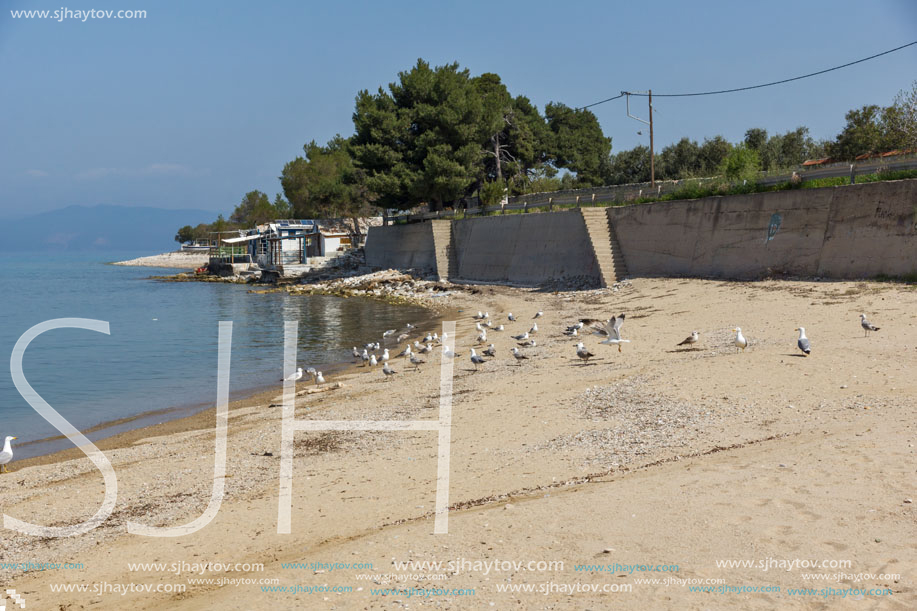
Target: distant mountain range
{"points": [[99, 228]]}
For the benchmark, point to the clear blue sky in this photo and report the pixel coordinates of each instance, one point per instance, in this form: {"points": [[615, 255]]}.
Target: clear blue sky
{"points": [[201, 102]]}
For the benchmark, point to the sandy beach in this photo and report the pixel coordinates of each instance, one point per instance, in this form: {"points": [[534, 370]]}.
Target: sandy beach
{"points": [[653, 463]]}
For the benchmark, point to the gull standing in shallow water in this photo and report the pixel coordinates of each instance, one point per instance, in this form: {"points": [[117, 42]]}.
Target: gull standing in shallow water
{"points": [[293, 377], [740, 341], [803, 341], [6, 455], [867, 326]]}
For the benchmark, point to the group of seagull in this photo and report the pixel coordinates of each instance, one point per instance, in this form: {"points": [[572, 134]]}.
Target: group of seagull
{"points": [[610, 329]]}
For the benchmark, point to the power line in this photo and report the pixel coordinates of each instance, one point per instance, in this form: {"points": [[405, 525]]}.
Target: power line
{"points": [[788, 80]]}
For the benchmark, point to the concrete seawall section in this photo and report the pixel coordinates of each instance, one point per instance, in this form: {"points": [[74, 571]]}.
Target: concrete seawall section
{"points": [[856, 231], [401, 247], [527, 249]]}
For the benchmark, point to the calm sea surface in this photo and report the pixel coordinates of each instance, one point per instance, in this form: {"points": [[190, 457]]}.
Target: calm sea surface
{"points": [[162, 351]]}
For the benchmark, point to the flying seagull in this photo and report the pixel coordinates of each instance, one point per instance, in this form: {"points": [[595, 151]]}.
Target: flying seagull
{"points": [[6, 455], [613, 331], [582, 353], [691, 339], [867, 326], [476, 360], [519, 356], [803, 341], [740, 341]]}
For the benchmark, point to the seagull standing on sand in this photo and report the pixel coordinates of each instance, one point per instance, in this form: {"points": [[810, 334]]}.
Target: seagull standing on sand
{"points": [[476, 360], [690, 340], [365, 357], [582, 353], [521, 336], [482, 337], [293, 377], [388, 371], [867, 326], [416, 361], [490, 351], [498, 328], [6, 455], [356, 353], [448, 353], [319, 379], [534, 328], [385, 355], [519, 356], [479, 315], [538, 314], [528, 344], [406, 351], [372, 361], [426, 349], [803, 341], [511, 317], [740, 341]]}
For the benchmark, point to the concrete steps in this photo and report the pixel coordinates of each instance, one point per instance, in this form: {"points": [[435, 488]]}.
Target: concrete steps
{"points": [[604, 245], [444, 249]]}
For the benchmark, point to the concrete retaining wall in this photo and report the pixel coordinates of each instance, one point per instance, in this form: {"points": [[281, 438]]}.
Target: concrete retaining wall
{"points": [[401, 247], [527, 249], [837, 232], [854, 231]]}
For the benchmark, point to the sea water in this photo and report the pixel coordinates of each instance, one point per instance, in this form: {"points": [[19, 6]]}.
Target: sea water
{"points": [[162, 350]]}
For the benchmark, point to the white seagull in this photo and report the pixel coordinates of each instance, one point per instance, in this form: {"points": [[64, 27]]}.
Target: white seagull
{"points": [[740, 341], [319, 379], [293, 377], [372, 361], [803, 341], [476, 360], [613, 331], [867, 326], [521, 336], [490, 351], [385, 355], [691, 339], [416, 361], [511, 317], [534, 328], [406, 351], [482, 337], [388, 371], [6, 455]]}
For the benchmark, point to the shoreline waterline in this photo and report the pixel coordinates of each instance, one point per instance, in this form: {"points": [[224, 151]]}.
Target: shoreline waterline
{"points": [[124, 432]]}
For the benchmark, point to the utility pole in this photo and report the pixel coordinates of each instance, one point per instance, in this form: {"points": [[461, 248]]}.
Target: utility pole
{"points": [[652, 153], [650, 123]]}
